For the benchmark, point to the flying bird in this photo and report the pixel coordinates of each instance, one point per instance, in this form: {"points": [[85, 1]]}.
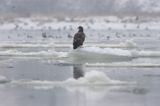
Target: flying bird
{"points": [[79, 38]]}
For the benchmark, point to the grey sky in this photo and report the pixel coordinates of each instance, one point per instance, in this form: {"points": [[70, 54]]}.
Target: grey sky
{"points": [[78, 7]]}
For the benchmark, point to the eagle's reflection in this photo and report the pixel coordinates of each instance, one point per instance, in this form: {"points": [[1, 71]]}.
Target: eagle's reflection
{"points": [[78, 71]]}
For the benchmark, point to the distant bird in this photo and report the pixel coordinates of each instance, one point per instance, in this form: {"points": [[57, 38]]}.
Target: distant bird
{"points": [[69, 36], [44, 35], [79, 38]]}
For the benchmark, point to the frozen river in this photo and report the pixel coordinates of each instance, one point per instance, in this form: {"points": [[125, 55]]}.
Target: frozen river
{"points": [[36, 83], [115, 67]]}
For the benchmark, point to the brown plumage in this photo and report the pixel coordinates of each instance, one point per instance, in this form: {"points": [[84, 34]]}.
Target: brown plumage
{"points": [[79, 38]]}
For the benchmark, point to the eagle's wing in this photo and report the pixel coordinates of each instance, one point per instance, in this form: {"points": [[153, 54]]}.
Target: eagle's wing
{"points": [[78, 39]]}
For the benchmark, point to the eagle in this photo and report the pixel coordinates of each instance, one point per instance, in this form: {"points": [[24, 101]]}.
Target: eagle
{"points": [[79, 38]]}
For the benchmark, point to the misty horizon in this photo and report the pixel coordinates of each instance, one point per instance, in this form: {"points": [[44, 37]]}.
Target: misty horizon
{"points": [[73, 8]]}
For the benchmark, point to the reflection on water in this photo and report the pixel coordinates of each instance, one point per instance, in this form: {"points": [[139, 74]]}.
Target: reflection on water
{"points": [[78, 71], [49, 92]]}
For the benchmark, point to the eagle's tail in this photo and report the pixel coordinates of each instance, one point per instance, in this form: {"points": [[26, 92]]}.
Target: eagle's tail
{"points": [[76, 45]]}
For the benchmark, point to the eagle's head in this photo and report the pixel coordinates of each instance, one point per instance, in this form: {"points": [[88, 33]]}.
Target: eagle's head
{"points": [[80, 29]]}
